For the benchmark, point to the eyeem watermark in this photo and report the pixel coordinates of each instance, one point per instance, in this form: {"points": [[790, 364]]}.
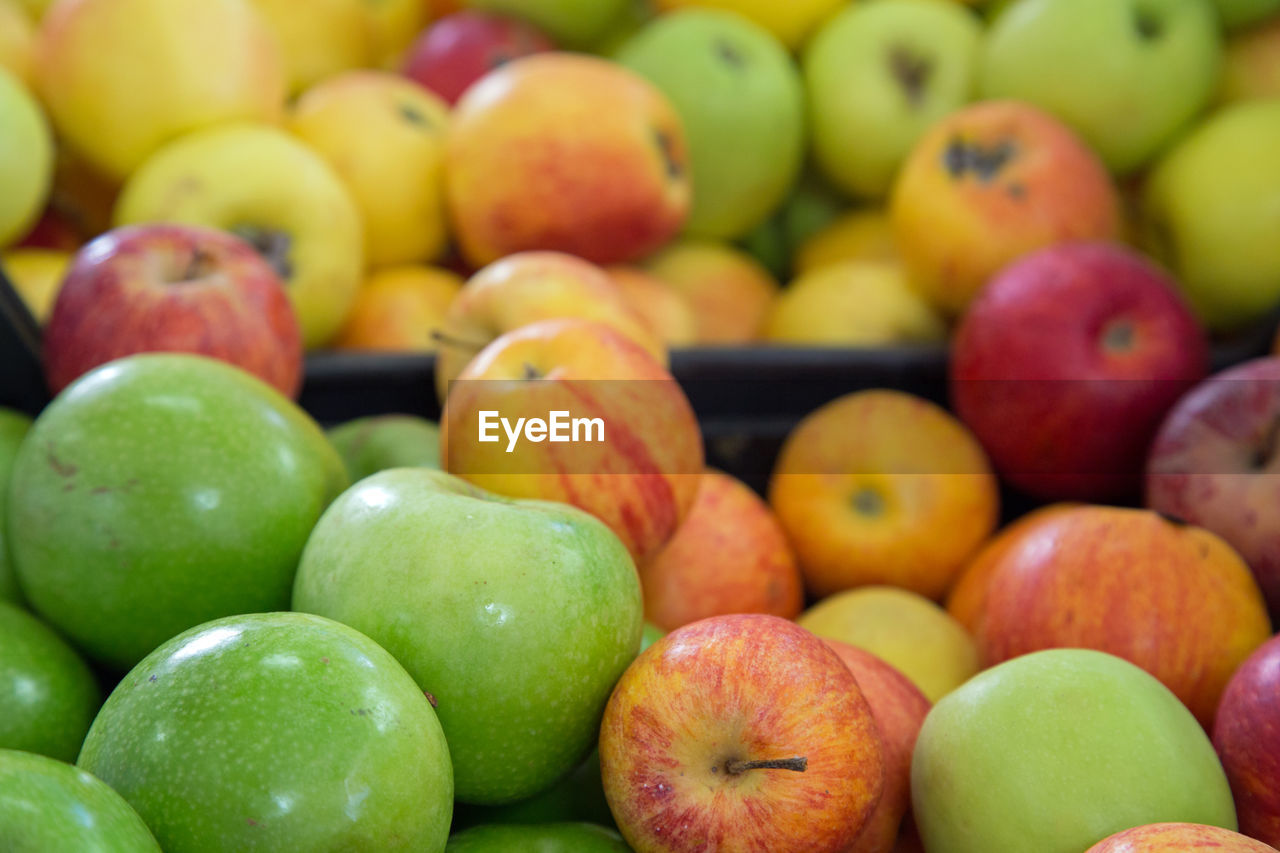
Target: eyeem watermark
{"points": [[558, 426]]}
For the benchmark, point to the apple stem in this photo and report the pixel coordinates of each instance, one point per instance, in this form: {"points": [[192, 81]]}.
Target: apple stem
{"points": [[457, 343], [735, 766]]}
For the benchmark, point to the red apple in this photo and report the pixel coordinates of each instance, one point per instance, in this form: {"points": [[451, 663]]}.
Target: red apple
{"points": [[1214, 461], [1065, 364], [173, 288], [459, 49], [1247, 737], [1177, 838], [740, 733]]}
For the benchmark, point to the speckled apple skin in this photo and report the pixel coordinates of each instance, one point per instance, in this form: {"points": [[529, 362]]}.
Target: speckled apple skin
{"points": [[517, 616], [161, 491], [47, 806], [744, 687], [1177, 838], [48, 694], [276, 731]]}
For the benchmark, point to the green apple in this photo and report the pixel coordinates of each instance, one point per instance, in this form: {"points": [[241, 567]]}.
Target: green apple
{"points": [[48, 694], [741, 101], [47, 806], [26, 159], [877, 76], [576, 797], [1128, 75], [1243, 13], [376, 443], [13, 427], [571, 23], [1054, 751], [542, 838], [517, 615], [1212, 214], [160, 491], [275, 731]]}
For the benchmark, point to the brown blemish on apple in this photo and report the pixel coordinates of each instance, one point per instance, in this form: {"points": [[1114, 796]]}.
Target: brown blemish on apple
{"points": [[273, 245], [912, 71], [530, 372], [61, 468], [666, 147], [730, 55]]}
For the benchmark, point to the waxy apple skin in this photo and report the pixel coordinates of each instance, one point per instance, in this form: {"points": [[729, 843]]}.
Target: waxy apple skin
{"points": [[47, 806], [173, 288], [517, 616], [1247, 737], [160, 491], [714, 693], [1177, 838], [277, 731]]}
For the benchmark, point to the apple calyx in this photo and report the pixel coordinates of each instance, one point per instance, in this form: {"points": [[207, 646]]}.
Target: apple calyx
{"points": [[1119, 336], [962, 157], [738, 766], [414, 116], [912, 71], [1147, 25], [272, 244], [730, 55], [867, 501]]}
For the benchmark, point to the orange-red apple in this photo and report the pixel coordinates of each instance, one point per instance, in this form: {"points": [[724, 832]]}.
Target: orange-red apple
{"points": [[1246, 734], [1178, 838], [988, 184], [459, 49], [740, 733], [729, 556], [730, 291], [566, 152], [399, 308]]}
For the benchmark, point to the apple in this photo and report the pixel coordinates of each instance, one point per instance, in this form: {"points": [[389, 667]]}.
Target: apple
{"points": [[1209, 205], [1066, 363], [741, 101], [883, 487], [36, 274], [303, 735], [877, 76], [572, 23], [1127, 582], [375, 443], [459, 49], [729, 555], [899, 709], [47, 805], [1176, 837], [17, 39], [26, 159], [393, 25], [160, 491], [1246, 734], [48, 693], [1211, 464], [565, 152], [666, 312], [730, 291], [13, 428], [576, 798], [1243, 13], [698, 753], [384, 138], [1251, 64], [399, 309], [117, 89], [1054, 751], [525, 288], [545, 838], [908, 631], [58, 229], [1127, 76], [174, 288], [864, 234], [317, 39], [988, 184], [516, 616], [812, 205], [853, 304], [270, 189], [792, 23]]}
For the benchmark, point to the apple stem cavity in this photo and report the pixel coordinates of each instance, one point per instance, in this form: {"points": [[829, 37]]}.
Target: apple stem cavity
{"points": [[1118, 336], [912, 72], [736, 766], [199, 265], [1147, 25], [868, 502], [273, 245], [962, 157]]}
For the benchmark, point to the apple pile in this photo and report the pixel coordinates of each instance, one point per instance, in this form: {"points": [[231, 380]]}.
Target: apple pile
{"points": [[225, 627]]}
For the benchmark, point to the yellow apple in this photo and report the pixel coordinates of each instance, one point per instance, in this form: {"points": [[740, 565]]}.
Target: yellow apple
{"points": [[122, 77], [384, 137], [267, 187], [665, 310], [399, 309], [860, 235], [317, 38], [792, 21], [393, 25], [730, 291], [35, 9], [36, 274], [854, 303], [17, 35], [26, 159]]}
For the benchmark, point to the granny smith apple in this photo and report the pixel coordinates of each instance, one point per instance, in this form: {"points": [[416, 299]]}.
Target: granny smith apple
{"points": [[160, 491], [13, 427], [48, 694], [47, 806], [1127, 75], [372, 444], [740, 99], [571, 23], [543, 838], [877, 75], [517, 615], [275, 731], [1243, 13], [1054, 751], [1212, 214]]}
